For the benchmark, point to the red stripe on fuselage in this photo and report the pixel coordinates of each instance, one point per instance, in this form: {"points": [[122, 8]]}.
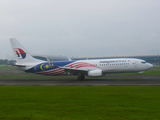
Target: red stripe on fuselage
{"points": [[53, 72], [81, 64]]}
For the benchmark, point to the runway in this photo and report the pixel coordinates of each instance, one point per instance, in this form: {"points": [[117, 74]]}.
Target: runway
{"points": [[74, 82], [108, 80]]}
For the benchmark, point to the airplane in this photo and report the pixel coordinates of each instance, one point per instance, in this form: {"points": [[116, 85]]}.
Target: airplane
{"points": [[81, 68]]}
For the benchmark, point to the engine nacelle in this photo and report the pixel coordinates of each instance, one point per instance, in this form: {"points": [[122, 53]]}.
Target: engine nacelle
{"points": [[95, 73]]}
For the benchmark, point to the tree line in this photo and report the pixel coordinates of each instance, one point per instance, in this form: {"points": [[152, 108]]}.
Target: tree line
{"points": [[7, 62]]}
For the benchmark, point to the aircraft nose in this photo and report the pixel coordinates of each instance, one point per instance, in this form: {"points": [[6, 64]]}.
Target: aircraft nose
{"points": [[150, 65]]}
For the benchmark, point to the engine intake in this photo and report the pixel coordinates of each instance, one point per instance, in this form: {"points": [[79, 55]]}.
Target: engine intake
{"points": [[95, 73]]}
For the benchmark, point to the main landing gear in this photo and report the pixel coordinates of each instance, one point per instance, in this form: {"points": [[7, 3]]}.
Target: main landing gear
{"points": [[81, 77]]}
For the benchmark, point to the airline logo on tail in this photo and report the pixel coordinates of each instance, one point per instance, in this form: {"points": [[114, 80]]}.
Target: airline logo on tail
{"points": [[20, 53]]}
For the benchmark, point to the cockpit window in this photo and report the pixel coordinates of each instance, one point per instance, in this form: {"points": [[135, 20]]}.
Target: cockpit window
{"points": [[143, 62]]}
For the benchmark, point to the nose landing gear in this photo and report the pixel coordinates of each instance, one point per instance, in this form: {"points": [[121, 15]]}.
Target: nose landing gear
{"points": [[138, 75]]}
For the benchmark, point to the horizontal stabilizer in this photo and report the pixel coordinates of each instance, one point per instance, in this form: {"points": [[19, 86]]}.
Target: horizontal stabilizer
{"points": [[141, 72], [19, 65]]}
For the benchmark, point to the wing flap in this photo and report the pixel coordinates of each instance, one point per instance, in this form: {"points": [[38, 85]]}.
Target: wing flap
{"points": [[75, 71]]}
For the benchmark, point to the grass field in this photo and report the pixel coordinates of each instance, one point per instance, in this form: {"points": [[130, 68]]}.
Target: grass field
{"points": [[79, 103], [6, 67]]}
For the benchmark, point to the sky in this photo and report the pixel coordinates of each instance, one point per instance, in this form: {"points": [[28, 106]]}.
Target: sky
{"points": [[81, 28]]}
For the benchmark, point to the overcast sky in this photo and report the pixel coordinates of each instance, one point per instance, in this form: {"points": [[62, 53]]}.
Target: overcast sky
{"points": [[81, 27]]}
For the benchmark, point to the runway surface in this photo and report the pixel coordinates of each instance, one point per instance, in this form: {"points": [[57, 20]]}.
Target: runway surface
{"points": [[74, 82]]}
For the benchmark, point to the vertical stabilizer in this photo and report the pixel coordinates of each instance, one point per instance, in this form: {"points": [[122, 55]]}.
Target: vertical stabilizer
{"points": [[21, 55]]}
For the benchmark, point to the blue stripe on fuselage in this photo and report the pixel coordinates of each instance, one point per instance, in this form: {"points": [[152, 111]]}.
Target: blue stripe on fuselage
{"points": [[62, 63], [45, 66]]}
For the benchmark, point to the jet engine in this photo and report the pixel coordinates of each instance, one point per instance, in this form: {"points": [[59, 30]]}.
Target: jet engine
{"points": [[95, 73]]}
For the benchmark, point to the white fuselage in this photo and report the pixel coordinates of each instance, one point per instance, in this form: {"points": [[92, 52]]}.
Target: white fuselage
{"points": [[105, 65], [111, 65]]}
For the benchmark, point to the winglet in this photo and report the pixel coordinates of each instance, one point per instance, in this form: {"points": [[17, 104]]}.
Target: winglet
{"points": [[69, 58], [50, 63]]}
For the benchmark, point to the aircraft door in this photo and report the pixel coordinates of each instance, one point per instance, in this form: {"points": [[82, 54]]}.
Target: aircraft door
{"points": [[135, 64], [36, 68]]}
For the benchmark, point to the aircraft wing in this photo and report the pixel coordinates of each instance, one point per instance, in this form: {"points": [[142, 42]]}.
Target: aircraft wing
{"points": [[69, 70], [75, 71]]}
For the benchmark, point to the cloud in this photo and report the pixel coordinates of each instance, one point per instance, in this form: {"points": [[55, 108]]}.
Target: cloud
{"points": [[81, 28]]}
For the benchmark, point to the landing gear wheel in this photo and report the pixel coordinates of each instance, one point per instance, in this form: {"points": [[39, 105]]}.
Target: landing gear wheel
{"points": [[138, 76], [81, 77]]}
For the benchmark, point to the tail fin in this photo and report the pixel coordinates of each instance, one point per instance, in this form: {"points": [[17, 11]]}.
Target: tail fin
{"points": [[21, 55]]}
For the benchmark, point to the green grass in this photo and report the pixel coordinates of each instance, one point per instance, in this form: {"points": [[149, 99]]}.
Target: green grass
{"points": [[152, 72], [79, 103], [148, 72], [6, 67], [156, 67]]}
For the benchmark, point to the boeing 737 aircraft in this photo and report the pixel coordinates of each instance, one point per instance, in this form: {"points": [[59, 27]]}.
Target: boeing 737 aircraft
{"points": [[81, 68]]}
